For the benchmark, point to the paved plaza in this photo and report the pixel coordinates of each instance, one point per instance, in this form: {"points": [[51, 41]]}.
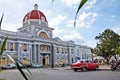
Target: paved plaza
{"points": [[63, 73]]}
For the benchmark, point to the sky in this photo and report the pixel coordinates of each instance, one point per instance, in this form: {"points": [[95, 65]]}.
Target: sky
{"points": [[93, 18]]}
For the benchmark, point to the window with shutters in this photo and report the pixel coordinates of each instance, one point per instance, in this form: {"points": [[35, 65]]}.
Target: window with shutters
{"points": [[11, 46], [57, 49], [25, 47]]}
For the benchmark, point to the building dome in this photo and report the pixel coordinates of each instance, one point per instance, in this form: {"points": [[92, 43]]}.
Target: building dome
{"points": [[35, 14]]}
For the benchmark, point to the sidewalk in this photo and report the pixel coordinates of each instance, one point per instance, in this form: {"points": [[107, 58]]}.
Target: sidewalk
{"points": [[104, 67]]}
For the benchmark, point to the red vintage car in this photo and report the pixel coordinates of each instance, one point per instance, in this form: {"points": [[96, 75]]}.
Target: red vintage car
{"points": [[85, 66]]}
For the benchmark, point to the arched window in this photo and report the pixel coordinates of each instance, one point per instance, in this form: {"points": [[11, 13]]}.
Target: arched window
{"points": [[3, 61], [43, 35]]}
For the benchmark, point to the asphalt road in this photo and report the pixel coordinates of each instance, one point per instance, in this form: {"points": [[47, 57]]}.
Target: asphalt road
{"points": [[54, 74]]}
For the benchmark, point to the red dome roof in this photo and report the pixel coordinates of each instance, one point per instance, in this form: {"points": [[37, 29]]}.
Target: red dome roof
{"points": [[35, 14]]}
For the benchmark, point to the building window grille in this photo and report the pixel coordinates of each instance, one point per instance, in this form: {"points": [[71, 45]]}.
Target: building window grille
{"points": [[57, 49], [25, 47], [11, 46]]}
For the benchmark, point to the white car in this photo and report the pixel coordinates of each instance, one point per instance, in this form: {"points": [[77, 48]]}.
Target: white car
{"points": [[37, 66], [9, 66]]}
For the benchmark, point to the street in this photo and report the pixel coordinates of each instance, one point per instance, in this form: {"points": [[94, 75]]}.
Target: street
{"points": [[54, 74]]}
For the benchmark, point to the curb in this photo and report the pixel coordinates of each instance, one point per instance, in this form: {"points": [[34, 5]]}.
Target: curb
{"points": [[95, 70], [104, 70], [89, 70]]}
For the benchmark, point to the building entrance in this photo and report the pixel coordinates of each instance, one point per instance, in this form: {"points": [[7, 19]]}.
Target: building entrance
{"points": [[45, 60]]}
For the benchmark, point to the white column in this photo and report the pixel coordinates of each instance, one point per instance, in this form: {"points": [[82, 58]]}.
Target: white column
{"points": [[41, 58], [48, 59], [30, 52], [35, 53]]}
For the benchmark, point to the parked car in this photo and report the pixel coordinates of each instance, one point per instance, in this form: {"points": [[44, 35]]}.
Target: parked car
{"points": [[37, 65], [9, 66], [25, 65], [84, 66]]}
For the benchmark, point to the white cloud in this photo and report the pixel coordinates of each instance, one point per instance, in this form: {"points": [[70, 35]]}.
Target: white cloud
{"points": [[70, 3], [11, 27], [91, 43], [13, 4], [57, 31], [116, 29], [91, 4], [58, 20], [84, 20], [113, 16], [73, 35], [83, 16], [48, 14]]}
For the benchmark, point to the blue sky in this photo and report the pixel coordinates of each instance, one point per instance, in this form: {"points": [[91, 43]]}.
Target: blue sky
{"points": [[94, 17]]}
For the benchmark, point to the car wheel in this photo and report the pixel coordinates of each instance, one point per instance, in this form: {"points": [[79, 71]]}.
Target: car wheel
{"points": [[75, 69], [84, 69], [97, 68]]}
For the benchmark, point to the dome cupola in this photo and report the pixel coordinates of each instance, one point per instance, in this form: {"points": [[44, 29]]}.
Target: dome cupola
{"points": [[35, 14]]}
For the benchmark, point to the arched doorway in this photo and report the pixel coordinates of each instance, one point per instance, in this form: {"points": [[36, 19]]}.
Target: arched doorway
{"points": [[43, 61]]}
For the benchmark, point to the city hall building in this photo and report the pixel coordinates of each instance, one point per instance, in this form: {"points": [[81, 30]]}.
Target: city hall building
{"points": [[34, 41]]}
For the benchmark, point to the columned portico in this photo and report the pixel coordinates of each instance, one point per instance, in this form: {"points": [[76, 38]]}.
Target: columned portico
{"points": [[44, 54], [44, 59]]}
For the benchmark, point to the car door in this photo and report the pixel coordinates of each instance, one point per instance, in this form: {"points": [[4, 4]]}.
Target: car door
{"points": [[90, 65]]}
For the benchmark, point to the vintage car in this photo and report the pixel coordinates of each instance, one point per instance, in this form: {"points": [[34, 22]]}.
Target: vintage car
{"points": [[84, 66]]}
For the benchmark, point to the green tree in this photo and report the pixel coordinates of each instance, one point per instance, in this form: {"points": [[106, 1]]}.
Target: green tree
{"points": [[117, 51], [108, 43]]}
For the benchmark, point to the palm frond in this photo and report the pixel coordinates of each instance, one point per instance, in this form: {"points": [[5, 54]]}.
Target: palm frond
{"points": [[17, 63], [3, 46], [24, 66], [21, 71], [79, 7], [1, 20]]}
